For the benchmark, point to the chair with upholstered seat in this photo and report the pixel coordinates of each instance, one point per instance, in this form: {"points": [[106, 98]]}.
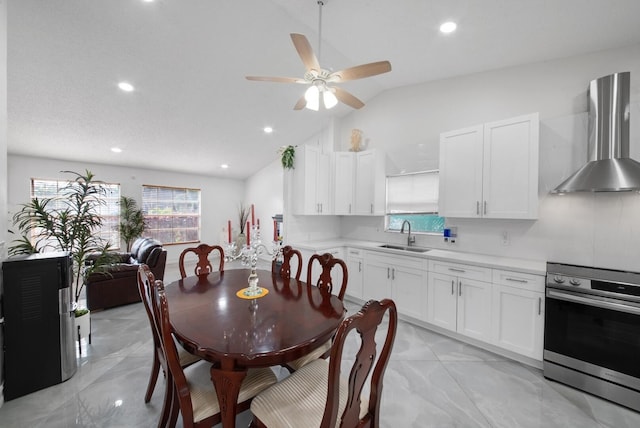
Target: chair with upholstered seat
{"points": [[203, 266], [325, 283], [193, 394], [284, 269], [317, 395], [146, 283]]}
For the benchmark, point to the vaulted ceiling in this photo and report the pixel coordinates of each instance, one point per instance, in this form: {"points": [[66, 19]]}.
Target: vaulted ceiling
{"points": [[192, 109]]}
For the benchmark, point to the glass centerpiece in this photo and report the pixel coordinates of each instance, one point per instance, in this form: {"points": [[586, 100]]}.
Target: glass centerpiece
{"points": [[248, 254]]}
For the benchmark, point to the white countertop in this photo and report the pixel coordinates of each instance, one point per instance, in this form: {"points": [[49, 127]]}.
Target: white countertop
{"points": [[534, 267]]}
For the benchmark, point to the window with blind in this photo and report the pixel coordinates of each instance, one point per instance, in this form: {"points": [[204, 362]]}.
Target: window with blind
{"points": [[109, 211], [413, 197], [172, 214]]}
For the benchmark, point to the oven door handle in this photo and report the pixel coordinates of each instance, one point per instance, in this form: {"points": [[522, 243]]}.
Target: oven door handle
{"points": [[597, 301]]}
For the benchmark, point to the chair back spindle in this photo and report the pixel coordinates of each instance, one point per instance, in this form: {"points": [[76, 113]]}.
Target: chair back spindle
{"points": [[203, 266], [288, 253], [325, 282], [366, 322]]}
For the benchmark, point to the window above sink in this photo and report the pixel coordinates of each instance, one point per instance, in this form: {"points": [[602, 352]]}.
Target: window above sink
{"points": [[413, 197]]}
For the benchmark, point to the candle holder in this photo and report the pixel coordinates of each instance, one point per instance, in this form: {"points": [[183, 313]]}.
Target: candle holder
{"points": [[248, 255]]}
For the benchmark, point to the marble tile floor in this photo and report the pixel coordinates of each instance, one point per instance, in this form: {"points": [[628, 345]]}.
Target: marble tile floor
{"points": [[431, 381]]}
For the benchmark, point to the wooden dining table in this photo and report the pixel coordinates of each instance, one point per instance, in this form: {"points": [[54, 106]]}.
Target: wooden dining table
{"points": [[236, 334]]}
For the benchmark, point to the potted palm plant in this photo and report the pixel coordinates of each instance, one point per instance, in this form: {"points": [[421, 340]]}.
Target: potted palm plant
{"points": [[132, 222], [67, 222]]}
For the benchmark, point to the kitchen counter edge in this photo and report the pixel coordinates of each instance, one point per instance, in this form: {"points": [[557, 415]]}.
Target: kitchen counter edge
{"points": [[534, 267]]}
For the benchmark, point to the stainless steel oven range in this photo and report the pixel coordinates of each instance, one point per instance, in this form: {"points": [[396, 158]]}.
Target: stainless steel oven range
{"points": [[592, 331]]}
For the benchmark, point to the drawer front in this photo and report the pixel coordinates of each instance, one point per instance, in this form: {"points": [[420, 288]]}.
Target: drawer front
{"points": [[478, 273], [354, 252], [337, 252], [525, 281], [394, 260]]}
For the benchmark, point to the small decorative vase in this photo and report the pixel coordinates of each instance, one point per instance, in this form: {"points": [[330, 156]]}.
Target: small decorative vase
{"points": [[241, 241]]}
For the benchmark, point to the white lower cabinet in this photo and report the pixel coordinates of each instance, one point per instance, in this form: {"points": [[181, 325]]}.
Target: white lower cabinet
{"points": [[459, 299], [402, 279], [355, 267], [518, 312]]}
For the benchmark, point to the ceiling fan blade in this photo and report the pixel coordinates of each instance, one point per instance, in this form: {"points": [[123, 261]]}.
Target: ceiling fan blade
{"points": [[305, 51], [347, 98], [360, 71], [276, 79], [300, 104]]}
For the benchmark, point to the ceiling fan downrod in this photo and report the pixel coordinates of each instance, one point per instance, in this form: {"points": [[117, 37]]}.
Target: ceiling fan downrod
{"points": [[320, 4]]}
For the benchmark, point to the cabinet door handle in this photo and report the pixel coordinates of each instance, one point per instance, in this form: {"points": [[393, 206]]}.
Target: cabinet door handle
{"points": [[485, 207], [359, 266], [452, 287], [349, 208], [388, 275], [457, 270], [539, 305], [393, 273], [320, 208], [459, 288], [522, 281], [371, 208], [478, 207]]}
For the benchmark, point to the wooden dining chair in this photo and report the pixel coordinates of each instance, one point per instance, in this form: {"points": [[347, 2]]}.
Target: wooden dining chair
{"points": [[192, 392], [325, 283], [146, 284], [284, 269], [318, 396], [203, 266]]}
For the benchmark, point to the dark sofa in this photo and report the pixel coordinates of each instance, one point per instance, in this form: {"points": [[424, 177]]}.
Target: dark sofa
{"points": [[119, 286]]}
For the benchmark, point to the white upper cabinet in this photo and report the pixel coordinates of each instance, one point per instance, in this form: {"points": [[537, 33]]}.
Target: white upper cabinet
{"points": [[311, 182], [491, 170], [369, 190], [344, 164]]}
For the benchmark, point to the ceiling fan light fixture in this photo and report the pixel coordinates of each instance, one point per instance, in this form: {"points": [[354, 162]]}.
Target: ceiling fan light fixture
{"points": [[448, 27], [329, 99], [312, 96]]}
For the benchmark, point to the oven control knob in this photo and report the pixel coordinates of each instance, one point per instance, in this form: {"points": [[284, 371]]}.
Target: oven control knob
{"points": [[558, 279], [574, 281]]}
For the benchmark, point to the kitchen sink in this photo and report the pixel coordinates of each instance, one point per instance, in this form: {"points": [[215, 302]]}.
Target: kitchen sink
{"points": [[404, 248]]}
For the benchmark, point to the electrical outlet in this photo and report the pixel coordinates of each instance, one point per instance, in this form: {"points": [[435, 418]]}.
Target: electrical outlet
{"points": [[505, 238]]}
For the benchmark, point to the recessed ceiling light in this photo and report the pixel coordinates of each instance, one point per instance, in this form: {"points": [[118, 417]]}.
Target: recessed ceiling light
{"points": [[116, 149], [224, 166], [268, 130], [125, 86], [448, 27]]}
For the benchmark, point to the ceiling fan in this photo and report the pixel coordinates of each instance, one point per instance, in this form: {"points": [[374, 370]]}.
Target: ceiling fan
{"points": [[321, 80]]}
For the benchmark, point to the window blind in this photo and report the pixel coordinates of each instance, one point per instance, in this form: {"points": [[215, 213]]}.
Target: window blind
{"points": [[413, 193]]}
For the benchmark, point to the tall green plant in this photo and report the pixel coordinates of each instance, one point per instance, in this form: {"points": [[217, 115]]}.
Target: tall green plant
{"points": [[132, 222], [69, 222]]}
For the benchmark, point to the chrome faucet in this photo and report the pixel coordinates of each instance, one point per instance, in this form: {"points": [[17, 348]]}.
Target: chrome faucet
{"points": [[410, 239]]}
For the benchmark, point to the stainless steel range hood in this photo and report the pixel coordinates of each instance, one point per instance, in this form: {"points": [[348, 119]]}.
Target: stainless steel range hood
{"points": [[609, 167]]}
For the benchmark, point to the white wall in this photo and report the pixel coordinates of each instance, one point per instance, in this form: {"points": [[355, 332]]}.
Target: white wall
{"points": [[3, 141], [591, 229], [219, 197], [3, 122], [264, 190]]}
